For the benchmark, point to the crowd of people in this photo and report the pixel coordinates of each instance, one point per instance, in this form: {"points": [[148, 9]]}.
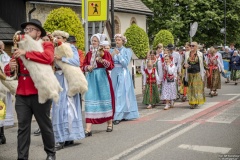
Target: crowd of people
{"points": [[171, 72], [109, 98]]}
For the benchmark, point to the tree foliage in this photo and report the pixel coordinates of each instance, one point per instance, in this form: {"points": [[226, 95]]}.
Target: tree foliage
{"points": [[176, 16], [163, 36], [66, 19], [137, 39]]}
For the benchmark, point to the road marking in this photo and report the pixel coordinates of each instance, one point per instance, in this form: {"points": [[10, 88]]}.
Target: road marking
{"points": [[210, 149], [231, 99], [227, 116], [129, 150], [192, 112], [164, 141]]}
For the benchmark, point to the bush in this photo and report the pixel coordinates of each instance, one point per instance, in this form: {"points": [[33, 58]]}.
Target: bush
{"points": [[66, 19], [137, 39], [163, 36]]}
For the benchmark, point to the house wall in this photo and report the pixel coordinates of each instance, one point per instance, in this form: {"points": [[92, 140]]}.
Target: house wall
{"points": [[43, 10], [125, 20]]}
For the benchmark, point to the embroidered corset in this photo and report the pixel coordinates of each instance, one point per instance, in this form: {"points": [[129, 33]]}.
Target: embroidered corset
{"points": [[151, 77]]}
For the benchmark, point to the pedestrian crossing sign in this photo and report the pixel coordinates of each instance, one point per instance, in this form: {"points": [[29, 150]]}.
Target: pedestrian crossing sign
{"points": [[97, 10]]}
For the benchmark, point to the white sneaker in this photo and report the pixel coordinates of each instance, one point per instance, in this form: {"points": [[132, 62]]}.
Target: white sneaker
{"points": [[166, 107]]}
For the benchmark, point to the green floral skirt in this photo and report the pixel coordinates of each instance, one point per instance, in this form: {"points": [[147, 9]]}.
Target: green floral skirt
{"points": [[235, 74], [151, 94], [195, 89]]}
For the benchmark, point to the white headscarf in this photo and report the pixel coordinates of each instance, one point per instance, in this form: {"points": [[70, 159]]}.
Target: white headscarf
{"points": [[104, 43], [100, 37]]}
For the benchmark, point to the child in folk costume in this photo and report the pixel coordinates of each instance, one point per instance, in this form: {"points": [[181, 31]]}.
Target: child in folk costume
{"points": [[151, 83], [215, 67], [168, 76]]}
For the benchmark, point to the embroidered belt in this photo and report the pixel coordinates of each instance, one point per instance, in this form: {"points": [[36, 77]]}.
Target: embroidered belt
{"points": [[24, 75]]}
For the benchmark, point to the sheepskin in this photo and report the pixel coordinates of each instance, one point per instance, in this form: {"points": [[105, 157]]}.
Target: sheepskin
{"points": [[42, 74], [9, 82], [77, 82]]}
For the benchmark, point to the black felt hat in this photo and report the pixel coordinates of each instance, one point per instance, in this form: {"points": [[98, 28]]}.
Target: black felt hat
{"points": [[36, 23]]}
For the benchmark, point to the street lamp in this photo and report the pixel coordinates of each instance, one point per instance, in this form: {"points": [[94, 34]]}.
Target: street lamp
{"points": [[113, 24]]}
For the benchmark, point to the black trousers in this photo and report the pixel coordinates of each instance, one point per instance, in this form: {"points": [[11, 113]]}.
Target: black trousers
{"points": [[26, 107]]}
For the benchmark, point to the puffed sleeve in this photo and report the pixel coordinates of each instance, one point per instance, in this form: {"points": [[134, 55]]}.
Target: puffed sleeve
{"points": [[160, 71], [144, 78], [107, 61], [157, 77]]}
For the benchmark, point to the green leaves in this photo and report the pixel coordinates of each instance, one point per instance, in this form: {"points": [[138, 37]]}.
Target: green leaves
{"points": [[163, 36], [137, 39], [176, 16], [66, 19]]}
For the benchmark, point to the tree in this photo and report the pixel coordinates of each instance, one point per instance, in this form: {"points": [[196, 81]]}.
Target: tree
{"points": [[176, 16], [163, 36], [66, 19], [137, 39]]}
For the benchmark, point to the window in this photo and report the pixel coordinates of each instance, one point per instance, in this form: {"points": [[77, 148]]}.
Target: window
{"points": [[117, 25], [133, 21]]}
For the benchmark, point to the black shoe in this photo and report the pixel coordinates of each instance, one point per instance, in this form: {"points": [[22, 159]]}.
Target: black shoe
{"points": [[68, 143], [37, 132], [2, 136], [116, 122], [51, 157], [59, 145], [109, 128], [88, 134]]}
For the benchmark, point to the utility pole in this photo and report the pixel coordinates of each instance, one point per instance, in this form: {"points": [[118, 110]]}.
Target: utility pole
{"points": [[225, 24], [113, 25], [86, 26]]}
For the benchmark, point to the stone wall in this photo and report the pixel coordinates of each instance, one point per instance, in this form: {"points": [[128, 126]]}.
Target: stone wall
{"points": [[43, 10]]}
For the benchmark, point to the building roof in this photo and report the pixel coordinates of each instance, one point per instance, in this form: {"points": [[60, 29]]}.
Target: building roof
{"points": [[126, 6], [6, 31]]}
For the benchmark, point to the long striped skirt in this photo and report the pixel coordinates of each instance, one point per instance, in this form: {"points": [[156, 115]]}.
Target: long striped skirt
{"points": [[195, 89], [98, 103]]}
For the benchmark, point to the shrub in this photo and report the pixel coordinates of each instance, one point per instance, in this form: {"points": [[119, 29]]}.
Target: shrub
{"points": [[137, 39], [163, 36], [66, 19]]}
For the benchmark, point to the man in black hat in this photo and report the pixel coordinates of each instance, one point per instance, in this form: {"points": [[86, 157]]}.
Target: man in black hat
{"points": [[27, 95]]}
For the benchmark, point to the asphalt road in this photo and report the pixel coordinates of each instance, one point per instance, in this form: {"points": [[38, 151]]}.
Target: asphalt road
{"points": [[209, 132]]}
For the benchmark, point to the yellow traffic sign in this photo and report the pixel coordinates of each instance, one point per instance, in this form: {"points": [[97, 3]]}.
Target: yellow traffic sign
{"points": [[97, 10]]}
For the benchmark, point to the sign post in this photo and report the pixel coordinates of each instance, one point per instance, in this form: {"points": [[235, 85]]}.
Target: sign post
{"points": [[97, 10]]}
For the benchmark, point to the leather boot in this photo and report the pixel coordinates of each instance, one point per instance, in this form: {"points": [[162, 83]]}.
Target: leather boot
{"points": [[2, 136]]}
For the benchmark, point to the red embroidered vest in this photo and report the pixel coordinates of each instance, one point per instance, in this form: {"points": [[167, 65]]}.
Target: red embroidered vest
{"points": [[150, 77]]}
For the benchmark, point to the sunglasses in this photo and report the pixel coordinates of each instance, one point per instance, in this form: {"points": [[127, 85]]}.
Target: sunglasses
{"points": [[192, 45]]}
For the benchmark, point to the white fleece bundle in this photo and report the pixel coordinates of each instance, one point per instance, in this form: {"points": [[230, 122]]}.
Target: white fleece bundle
{"points": [[77, 82], [42, 74]]}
